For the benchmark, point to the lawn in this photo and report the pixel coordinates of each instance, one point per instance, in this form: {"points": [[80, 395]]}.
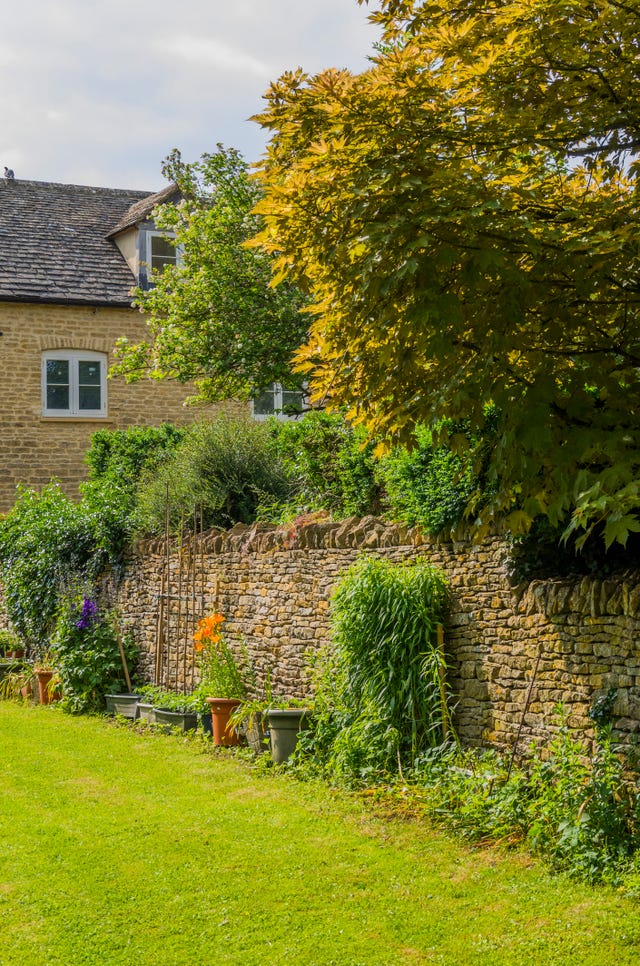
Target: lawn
{"points": [[120, 848]]}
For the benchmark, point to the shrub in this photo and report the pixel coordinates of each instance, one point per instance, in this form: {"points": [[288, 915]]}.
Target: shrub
{"points": [[122, 455], [85, 652], [225, 468], [43, 538], [331, 463], [426, 485]]}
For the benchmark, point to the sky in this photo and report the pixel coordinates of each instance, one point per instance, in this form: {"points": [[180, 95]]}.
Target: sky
{"points": [[98, 92]]}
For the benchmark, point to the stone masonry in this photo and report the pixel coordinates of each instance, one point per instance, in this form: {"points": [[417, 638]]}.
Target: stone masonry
{"points": [[36, 448], [274, 586]]}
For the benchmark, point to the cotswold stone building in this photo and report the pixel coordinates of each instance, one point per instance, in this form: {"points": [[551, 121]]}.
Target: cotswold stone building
{"points": [[69, 258]]}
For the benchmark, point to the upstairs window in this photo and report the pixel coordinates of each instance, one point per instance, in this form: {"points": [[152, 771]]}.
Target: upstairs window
{"points": [[74, 383], [278, 402], [161, 251]]}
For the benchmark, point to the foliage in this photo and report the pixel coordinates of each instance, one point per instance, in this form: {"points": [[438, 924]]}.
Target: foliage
{"points": [[579, 811], [15, 683], [225, 468], [330, 461], [426, 485], [43, 538], [85, 652], [221, 675], [214, 318], [543, 553], [463, 214], [379, 694], [9, 641], [122, 455], [168, 700]]}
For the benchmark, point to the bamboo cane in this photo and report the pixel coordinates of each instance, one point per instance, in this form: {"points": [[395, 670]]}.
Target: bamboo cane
{"points": [[167, 637], [442, 682], [157, 677]]}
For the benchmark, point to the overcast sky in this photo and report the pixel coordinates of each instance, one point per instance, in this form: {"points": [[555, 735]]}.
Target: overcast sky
{"points": [[98, 93]]}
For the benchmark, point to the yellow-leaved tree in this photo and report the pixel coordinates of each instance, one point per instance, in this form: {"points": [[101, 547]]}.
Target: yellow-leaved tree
{"points": [[464, 218]]}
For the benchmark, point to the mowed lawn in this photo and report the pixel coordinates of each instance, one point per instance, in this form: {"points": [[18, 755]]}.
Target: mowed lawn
{"points": [[123, 848]]}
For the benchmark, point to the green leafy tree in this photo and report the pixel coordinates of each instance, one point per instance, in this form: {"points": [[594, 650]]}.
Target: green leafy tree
{"points": [[464, 216], [214, 319]]}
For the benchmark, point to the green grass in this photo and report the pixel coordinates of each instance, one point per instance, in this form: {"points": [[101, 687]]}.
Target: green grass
{"points": [[123, 848]]}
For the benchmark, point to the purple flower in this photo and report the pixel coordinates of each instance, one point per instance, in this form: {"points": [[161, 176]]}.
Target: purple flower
{"points": [[88, 614]]}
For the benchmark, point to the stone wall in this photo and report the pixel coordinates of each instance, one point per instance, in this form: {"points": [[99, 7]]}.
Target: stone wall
{"points": [[36, 448], [274, 585]]}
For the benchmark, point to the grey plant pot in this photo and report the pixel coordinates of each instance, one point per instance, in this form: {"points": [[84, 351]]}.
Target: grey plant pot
{"points": [[146, 712], [176, 719], [284, 728], [123, 704]]}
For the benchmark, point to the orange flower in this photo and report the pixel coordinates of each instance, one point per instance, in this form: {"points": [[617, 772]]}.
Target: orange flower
{"points": [[207, 631]]}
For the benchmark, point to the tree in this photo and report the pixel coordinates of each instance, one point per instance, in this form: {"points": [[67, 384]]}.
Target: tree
{"points": [[464, 215], [214, 318]]}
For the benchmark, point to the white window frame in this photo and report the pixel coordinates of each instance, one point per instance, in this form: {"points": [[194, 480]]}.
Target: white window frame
{"points": [[153, 233], [73, 357], [278, 394]]}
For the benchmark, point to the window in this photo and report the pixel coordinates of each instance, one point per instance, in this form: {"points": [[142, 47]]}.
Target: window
{"points": [[160, 251], [278, 402], [74, 383]]}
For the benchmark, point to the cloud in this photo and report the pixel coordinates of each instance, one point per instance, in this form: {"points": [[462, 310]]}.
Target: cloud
{"points": [[215, 55], [101, 93]]}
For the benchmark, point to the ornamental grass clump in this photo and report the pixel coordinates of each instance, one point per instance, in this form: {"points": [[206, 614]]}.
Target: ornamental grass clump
{"points": [[380, 697]]}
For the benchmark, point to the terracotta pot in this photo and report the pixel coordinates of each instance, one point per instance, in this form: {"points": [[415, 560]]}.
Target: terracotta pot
{"points": [[221, 708], [45, 695]]}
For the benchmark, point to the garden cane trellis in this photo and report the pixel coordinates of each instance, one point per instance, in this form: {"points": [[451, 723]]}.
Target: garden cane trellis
{"points": [[180, 602]]}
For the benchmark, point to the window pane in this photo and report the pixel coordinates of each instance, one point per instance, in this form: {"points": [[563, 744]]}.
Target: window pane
{"points": [[163, 252], [264, 405], [291, 401], [58, 371], [89, 373], [58, 397], [88, 397]]}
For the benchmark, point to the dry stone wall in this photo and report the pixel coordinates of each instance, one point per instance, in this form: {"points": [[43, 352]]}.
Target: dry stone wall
{"points": [[274, 587]]}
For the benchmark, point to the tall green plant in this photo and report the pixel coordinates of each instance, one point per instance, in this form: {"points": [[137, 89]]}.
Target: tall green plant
{"points": [[379, 689]]}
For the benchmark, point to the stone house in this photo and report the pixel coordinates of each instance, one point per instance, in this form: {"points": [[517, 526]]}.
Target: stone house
{"points": [[70, 257]]}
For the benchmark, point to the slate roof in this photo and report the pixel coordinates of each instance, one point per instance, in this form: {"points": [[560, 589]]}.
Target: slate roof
{"points": [[54, 244], [142, 209]]}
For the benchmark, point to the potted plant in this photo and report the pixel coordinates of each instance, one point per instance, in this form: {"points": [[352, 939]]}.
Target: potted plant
{"points": [[48, 681], [220, 677], [148, 696], [250, 717], [174, 710], [10, 647], [285, 720]]}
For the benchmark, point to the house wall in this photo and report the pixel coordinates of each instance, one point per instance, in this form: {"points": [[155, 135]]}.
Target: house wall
{"points": [[35, 448], [274, 588]]}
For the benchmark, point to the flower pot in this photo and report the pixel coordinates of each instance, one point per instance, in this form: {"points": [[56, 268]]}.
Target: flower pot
{"points": [[284, 728], [146, 712], [206, 723], [221, 708], [44, 691], [123, 704], [184, 720]]}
